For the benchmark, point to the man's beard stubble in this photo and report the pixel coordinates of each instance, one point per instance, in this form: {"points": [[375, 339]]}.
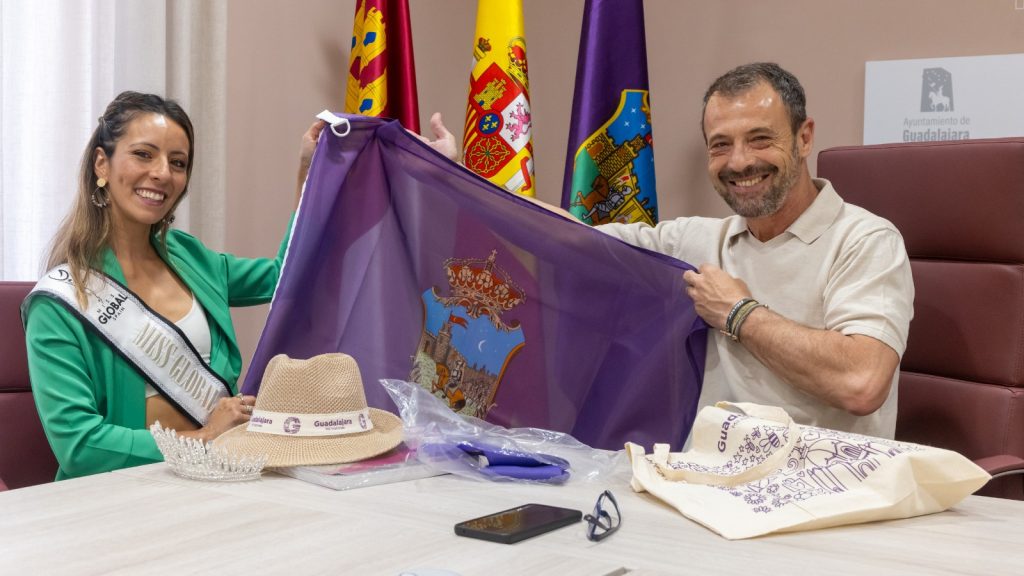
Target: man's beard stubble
{"points": [[770, 202]]}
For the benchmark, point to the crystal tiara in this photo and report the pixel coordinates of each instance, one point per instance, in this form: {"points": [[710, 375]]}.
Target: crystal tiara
{"points": [[197, 460]]}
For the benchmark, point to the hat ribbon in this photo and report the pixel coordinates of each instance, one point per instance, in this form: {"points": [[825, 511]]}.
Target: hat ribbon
{"points": [[291, 424]]}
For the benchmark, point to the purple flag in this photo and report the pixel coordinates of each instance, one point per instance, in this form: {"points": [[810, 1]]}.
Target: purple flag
{"points": [[609, 169], [424, 271]]}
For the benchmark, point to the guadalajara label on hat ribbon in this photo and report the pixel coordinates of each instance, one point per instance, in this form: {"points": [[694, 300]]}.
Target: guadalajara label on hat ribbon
{"points": [[290, 424]]}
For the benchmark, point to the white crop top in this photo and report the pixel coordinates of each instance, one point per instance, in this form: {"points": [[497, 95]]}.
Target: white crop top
{"points": [[197, 330]]}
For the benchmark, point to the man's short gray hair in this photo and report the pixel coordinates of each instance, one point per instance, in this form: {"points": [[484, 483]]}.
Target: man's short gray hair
{"points": [[743, 78]]}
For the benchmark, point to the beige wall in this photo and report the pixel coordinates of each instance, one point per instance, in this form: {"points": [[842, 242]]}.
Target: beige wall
{"points": [[287, 61]]}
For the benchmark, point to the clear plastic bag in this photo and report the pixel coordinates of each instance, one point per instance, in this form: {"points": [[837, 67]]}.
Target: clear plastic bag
{"points": [[473, 448]]}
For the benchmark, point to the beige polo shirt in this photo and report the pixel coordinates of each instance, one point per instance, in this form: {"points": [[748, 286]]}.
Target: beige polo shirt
{"points": [[838, 267]]}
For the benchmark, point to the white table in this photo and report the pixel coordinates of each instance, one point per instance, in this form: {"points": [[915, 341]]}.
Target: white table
{"points": [[148, 521]]}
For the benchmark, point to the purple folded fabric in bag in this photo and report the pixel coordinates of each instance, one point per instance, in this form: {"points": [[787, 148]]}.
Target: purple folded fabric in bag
{"points": [[501, 457], [497, 463], [520, 465], [547, 473]]}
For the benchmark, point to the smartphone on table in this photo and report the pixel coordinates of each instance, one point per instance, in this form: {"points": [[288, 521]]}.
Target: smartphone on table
{"points": [[519, 523]]}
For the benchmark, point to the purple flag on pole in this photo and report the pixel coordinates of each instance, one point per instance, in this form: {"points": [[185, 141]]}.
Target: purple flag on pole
{"points": [[426, 272], [609, 169]]}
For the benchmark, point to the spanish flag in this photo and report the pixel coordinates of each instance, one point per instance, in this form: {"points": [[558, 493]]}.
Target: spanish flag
{"points": [[381, 67], [497, 141]]}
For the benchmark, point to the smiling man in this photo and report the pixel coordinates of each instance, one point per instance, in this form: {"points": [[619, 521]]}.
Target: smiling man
{"points": [[810, 298]]}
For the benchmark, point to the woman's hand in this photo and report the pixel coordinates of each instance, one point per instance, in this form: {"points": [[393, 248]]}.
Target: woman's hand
{"points": [[444, 141], [306, 149], [228, 413]]}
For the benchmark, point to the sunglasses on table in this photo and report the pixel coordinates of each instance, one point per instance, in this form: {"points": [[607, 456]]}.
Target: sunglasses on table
{"points": [[605, 519]]}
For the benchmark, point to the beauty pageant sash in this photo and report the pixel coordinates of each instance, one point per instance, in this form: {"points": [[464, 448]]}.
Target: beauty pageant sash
{"points": [[149, 342]]}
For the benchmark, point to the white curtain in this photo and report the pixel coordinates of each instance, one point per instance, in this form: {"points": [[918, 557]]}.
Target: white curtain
{"points": [[61, 62], [197, 79]]}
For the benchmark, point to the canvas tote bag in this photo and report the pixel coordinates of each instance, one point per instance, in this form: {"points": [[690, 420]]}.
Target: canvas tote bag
{"points": [[753, 471]]}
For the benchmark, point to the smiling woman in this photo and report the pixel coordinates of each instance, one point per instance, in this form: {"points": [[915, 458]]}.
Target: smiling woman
{"points": [[131, 324], [148, 171]]}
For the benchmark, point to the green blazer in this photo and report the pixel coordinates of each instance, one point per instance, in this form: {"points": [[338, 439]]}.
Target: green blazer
{"points": [[91, 401]]}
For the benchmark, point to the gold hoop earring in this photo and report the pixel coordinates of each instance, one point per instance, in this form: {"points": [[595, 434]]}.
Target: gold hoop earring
{"points": [[100, 200]]}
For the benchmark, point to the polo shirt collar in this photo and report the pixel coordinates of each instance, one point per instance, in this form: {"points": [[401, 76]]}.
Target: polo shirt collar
{"points": [[819, 215], [812, 223]]}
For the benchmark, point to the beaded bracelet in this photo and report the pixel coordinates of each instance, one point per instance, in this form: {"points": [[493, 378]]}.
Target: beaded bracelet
{"points": [[732, 313], [742, 317], [738, 315]]}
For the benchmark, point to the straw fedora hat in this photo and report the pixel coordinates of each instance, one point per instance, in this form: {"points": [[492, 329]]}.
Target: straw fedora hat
{"points": [[313, 412]]}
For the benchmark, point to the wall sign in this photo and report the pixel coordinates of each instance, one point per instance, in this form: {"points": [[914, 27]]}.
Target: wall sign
{"points": [[935, 99]]}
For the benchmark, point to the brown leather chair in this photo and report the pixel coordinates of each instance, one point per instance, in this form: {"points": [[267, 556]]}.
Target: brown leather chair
{"points": [[960, 208], [25, 455]]}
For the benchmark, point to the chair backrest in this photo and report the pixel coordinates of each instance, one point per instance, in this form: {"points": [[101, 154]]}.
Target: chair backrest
{"points": [[960, 209], [25, 455]]}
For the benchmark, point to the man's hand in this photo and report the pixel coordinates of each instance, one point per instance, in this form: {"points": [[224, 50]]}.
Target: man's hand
{"points": [[853, 372], [714, 293], [444, 141]]}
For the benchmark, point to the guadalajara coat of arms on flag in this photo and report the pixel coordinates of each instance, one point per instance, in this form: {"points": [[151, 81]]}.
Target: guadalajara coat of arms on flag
{"points": [[466, 345]]}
